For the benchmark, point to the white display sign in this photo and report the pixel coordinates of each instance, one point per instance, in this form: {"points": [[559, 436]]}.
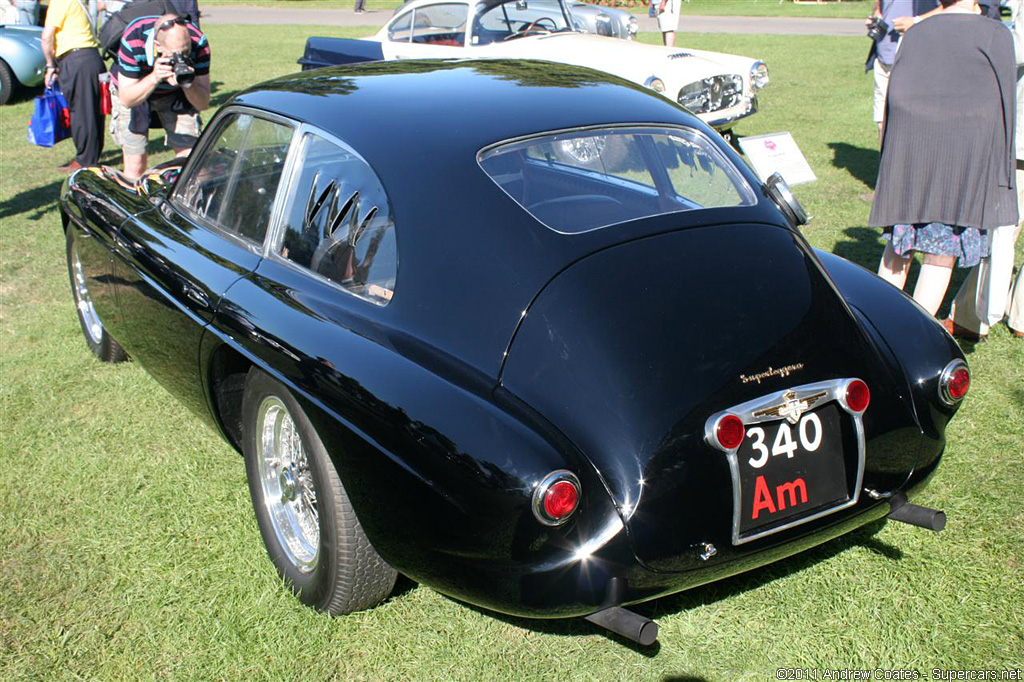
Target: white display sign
{"points": [[777, 152]]}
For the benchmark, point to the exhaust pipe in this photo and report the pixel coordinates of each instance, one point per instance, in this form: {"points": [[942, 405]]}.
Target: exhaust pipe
{"points": [[632, 626], [901, 510]]}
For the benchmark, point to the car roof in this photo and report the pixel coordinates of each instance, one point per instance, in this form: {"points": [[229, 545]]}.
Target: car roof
{"points": [[459, 103], [470, 259]]}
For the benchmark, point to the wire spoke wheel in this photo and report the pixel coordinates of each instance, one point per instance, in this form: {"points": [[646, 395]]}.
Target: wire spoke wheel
{"points": [[100, 342], [90, 319], [305, 516], [288, 489]]}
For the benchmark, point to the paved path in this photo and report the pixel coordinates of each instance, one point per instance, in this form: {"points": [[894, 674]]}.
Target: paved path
{"points": [[235, 14]]}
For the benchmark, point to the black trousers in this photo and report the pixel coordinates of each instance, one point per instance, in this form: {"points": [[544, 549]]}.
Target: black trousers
{"points": [[79, 81]]}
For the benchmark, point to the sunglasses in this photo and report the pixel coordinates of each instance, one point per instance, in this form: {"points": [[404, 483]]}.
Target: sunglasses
{"points": [[181, 21]]}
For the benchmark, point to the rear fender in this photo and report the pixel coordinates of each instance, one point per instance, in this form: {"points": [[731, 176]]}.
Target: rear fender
{"points": [[913, 338]]}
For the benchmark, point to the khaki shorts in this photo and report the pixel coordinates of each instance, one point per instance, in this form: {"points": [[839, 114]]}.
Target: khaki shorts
{"points": [[881, 89], [669, 19], [182, 129]]}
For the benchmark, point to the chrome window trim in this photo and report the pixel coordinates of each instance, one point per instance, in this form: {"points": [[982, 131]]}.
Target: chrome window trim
{"points": [[200, 151], [275, 237], [835, 390]]}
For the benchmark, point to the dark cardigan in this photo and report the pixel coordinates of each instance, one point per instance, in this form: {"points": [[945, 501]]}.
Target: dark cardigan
{"points": [[948, 153]]}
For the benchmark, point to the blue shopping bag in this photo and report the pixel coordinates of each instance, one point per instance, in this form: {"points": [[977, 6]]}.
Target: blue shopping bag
{"points": [[51, 119]]}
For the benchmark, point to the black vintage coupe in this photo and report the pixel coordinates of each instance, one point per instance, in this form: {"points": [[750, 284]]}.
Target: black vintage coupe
{"points": [[527, 333]]}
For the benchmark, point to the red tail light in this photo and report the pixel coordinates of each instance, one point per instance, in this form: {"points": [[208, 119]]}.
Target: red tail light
{"points": [[954, 382], [858, 397], [556, 498], [729, 432]]}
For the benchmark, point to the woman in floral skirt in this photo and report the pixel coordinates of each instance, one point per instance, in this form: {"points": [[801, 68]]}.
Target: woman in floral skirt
{"points": [[947, 169]]}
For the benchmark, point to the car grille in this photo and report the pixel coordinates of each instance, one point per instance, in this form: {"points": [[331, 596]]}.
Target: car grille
{"points": [[712, 94]]}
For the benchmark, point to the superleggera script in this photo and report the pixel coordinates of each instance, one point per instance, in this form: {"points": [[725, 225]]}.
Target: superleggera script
{"points": [[781, 372]]}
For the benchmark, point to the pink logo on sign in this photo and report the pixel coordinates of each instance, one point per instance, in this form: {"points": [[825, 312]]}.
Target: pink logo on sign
{"points": [[769, 144]]}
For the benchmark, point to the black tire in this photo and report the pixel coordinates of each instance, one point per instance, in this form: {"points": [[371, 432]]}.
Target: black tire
{"points": [[101, 343], [7, 83], [346, 574]]}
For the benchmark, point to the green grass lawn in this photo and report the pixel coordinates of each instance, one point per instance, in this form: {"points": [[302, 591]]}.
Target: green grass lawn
{"points": [[857, 9], [129, 550]]}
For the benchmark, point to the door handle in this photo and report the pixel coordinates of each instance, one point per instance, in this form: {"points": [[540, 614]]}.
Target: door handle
{"points": [[197, 296]]}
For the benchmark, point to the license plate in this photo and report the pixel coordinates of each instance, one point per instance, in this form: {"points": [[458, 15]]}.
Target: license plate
{"points": [[787, 470]]}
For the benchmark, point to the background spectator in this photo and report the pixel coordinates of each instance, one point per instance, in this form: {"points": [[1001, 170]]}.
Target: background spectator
{"points": [[19, 12], [898, 15], [668, 20], [69, 45], [188, 8], [948, 159]]}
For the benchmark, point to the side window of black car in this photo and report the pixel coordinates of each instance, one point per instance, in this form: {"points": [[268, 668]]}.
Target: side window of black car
{"points": [[234, 184], [337, 221]]}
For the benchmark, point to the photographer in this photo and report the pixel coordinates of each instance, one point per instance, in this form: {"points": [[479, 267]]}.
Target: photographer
{"points": [[162, 73], [885, 28]]}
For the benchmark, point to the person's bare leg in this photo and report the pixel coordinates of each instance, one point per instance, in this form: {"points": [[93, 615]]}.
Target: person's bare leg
{"points": [[669, 38], [933, 280], [893, 267], [134, 165]]}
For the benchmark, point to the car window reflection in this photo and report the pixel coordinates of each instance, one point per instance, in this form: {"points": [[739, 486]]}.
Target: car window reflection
{"points": [[234, 184], [583, 180], [337, 221]]}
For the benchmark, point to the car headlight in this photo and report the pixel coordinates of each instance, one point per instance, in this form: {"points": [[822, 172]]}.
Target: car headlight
{"points": [[758, 75], [632, 27], [603, 23], [655, 83], [711, 94]]}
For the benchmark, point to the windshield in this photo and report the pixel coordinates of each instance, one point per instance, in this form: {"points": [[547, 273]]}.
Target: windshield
{"points": [[518, 19], [583, 180]]}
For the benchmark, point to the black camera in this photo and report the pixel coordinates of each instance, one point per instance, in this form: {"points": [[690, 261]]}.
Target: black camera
{"points": [[877, 29], [184, 72]]}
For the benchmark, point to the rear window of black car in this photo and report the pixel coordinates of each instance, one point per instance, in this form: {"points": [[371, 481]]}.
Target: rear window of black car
{"points": [[583, 180], [337, 221]]}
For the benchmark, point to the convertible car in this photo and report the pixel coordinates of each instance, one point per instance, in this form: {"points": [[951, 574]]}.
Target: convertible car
{"points": [[602, 20], [720, 88], [545, 386]]}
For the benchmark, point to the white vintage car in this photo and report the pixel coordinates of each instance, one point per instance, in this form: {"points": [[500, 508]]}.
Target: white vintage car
{"points": [[719, 88]]}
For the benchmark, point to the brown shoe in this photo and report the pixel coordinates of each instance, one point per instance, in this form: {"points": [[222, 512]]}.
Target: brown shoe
{"points": [[71, 167], [1017, 334], [962, 332]]}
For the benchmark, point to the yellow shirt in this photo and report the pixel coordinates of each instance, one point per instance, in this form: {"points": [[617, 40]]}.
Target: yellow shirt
{"points": [[71, 26]]}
